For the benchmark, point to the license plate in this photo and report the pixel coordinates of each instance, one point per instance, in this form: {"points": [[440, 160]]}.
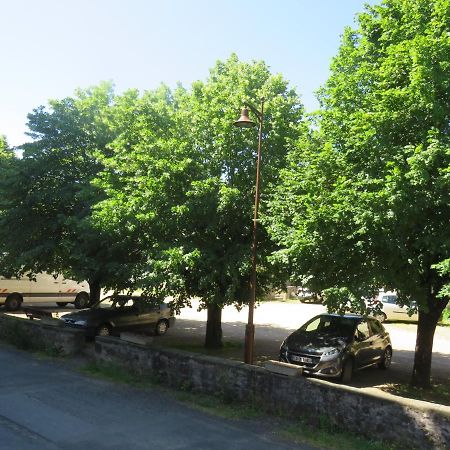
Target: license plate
{"points": [[301, 359]]}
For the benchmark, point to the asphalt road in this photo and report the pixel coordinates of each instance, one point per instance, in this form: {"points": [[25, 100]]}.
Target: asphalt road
{"points": [[44, 405]]}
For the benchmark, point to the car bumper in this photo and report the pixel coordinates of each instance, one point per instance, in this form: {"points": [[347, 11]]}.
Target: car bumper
{"points": [[326, 368]]}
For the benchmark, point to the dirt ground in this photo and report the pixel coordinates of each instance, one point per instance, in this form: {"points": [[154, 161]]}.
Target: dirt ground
{"points": [[276, 320]]}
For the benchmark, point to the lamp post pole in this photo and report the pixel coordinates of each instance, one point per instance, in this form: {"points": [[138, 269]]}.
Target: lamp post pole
{"points": [[245, 122]]}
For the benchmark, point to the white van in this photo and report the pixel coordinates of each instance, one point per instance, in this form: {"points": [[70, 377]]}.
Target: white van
{"points": [[392, 311], [45, 288]]}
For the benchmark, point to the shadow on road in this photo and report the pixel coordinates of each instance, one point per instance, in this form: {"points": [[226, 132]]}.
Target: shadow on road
{"points": [[189, 334]]}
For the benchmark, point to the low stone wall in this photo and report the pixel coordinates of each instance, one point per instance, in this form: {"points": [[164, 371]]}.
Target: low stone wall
{"points": [[378, 416], [40, 335]]}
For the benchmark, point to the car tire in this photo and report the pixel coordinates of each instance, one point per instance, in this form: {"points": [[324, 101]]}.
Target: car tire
{"points": [[385, 363], [104, 330], [13, 302], [81, 300], [62, 304], [347, 370], [161, 327]]}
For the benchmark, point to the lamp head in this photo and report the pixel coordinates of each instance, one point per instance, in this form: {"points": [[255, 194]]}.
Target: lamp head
{"points": [[244, 121]]}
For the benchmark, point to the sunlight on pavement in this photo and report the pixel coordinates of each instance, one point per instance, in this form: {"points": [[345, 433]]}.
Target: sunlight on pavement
{"points": [[291, 315], [277, 314]]}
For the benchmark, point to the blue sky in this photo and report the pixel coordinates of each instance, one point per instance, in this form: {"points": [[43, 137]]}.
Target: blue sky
{"points": [[51, 47]]}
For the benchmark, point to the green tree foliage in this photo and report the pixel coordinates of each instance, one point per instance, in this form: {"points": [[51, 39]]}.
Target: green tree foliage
{"points": [[365, 202], [47, 196], [7, 159], [5, 152], [184, 176]]}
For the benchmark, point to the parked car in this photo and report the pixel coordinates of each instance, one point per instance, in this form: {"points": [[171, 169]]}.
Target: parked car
{"points": [[333, 346], [390, 310], [307, 296], [43, 288], [114, 314]]}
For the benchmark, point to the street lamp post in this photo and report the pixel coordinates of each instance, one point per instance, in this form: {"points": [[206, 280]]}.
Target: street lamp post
{"points": [[245, 122]]}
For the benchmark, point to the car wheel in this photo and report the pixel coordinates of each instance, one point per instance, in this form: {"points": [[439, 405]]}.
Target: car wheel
{"points": [[161, 327], [387, 359], [13, 302], [81, 300], [347, 371], [62, 304], [104, 330]]}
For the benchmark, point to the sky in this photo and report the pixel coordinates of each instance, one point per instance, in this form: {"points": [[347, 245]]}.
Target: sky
{"points": [[49, 48]]}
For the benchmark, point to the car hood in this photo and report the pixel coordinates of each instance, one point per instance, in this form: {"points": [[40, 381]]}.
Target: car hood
{"points": [[315, 343]]}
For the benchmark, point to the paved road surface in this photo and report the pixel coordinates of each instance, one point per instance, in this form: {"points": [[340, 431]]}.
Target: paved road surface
{"points": [[46, 406]]}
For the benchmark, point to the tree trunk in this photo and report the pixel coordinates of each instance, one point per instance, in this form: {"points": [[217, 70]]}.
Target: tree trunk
{"points": [[213, 337], [94, 291], [421, 376]]}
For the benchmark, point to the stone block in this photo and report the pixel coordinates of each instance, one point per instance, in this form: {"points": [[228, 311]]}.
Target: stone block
{"points": [[283, 368], [136, 338]]}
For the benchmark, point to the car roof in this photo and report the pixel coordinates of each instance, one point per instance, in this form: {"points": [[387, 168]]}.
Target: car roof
{"points": [[346, 316], [126, 297]]}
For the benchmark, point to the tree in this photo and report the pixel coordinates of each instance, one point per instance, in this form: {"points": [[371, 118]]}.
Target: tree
{"points": [[7, 160], [365, 201], [5, 152], [47, 195], [189, 178]]}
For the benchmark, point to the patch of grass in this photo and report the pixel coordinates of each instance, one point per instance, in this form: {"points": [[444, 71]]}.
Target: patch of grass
{"points": [[218, 406], [230, 349], [117, 374], [327, 437], [439, 392]]}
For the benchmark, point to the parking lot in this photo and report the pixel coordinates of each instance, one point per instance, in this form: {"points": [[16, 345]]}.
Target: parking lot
{"points": [[276, 320]]}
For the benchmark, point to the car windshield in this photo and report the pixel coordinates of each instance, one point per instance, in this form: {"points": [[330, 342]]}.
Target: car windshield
{"points": [[331, 325], [110, 302]]}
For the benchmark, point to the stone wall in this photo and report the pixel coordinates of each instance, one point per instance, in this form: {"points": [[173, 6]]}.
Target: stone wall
{"points": [[41, 335], [377, 415]]}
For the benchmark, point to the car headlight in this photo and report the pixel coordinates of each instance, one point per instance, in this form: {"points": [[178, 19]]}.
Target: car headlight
{"points": [[331, 352], [81, 323]]}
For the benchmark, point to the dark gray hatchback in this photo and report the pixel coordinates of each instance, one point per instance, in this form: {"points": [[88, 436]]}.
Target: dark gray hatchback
{"points": [[332, 345], [122, 313]]}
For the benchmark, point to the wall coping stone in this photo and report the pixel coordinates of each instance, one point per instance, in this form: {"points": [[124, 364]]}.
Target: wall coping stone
{"points": [[43, 324]]}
